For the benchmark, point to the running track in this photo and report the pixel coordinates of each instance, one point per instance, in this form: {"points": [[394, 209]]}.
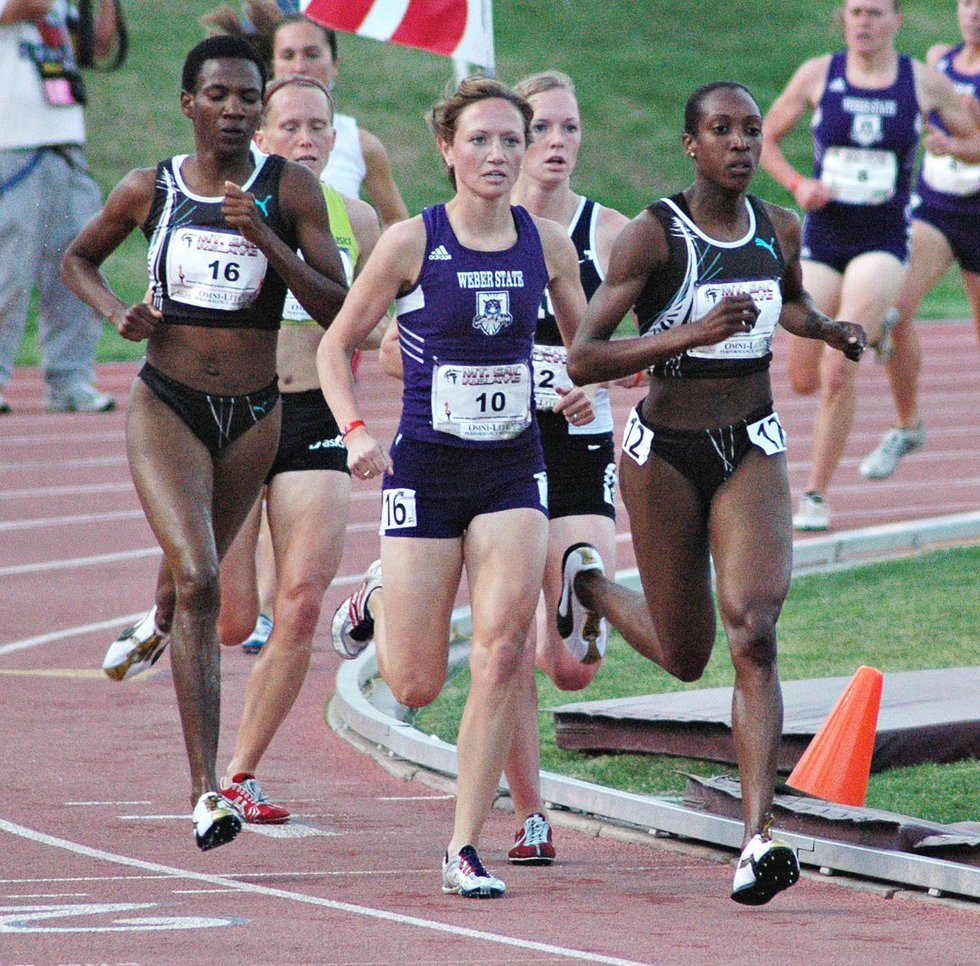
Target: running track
{"points": [[98, 864]]}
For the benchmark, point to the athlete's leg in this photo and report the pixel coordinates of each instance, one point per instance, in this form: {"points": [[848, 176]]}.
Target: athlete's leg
{"points": [[505, 557], [971, 285], [552, 656], [752, 547], [308, 519], [195, 505], [803, 356], [672, 622], [930, 257], [523, 763], [239, 595], [870, 286]]}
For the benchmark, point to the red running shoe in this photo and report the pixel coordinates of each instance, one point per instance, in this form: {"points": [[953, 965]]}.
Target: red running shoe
{"points": [[245, 793], [532, 844]]}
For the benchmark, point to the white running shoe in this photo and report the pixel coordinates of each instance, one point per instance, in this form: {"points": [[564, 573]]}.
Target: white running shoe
{"points": [[465, 874], [215, 820], [765, 867], [584, 632], [82, 398], [896, 443], [813, 513], [137, 648], [352, 628]]}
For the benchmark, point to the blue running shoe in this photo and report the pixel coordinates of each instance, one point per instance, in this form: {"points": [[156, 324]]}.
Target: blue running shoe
{"points": [[263, 628]]}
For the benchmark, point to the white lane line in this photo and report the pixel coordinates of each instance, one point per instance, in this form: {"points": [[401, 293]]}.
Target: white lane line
{"points": [[32, 493], [74, 520], [41, 838], [28, 642], [96, 560]]}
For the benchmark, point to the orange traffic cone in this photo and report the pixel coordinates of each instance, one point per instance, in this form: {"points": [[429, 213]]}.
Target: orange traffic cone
{"points": [[837, 762]]}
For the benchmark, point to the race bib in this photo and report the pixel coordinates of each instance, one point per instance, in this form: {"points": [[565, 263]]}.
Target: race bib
{"points": [[213, 269], [550, 371], [768, 434], [757, 341], [637, 439], [951, 177], [860, 176], [481, 402], [397, 510]]}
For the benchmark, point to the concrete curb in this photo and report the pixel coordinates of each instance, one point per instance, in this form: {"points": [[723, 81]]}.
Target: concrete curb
{"points": [[365, 710]]}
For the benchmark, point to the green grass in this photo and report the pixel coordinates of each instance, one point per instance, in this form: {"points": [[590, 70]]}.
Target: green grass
{"points": [[634, 64], [924, 615]]}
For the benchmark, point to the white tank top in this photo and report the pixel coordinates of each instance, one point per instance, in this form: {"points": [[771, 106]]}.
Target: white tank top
{"points": [[346, 168]]}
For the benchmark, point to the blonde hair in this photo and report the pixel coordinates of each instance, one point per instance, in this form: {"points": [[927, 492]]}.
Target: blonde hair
{"points": [[295, 80], [545, 80]]}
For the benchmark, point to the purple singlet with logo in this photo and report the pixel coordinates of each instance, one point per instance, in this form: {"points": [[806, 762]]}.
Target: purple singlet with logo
{"points": [[466, 331]]}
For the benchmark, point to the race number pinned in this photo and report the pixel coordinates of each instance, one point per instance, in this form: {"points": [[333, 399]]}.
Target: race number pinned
{"points": [[397, 510], [637, 439], [768, 434]]}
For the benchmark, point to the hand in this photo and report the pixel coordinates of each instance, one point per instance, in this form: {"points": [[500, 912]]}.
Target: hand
{"points": [[733, 315], [937, 141], [365, 457], [850, 338], [138, 322], [241, 212], [812, 194], [575, 405]]}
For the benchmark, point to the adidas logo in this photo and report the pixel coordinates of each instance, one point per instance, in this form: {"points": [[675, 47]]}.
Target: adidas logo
{"points": [[440, 255]]}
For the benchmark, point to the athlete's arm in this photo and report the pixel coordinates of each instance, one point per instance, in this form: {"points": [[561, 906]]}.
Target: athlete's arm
{"points": [[393, 267], [379, 180], [802, 93], [959, 115], [367, 231], [317, 279], [126, 208], [799, 315]]}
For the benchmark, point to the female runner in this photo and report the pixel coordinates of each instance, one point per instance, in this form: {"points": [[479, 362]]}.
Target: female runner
{"points": [[204, 413], [869, 102], [465, 484], [709, 273]]}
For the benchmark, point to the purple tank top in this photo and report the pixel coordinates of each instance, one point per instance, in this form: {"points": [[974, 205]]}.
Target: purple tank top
{"points": [[865, 139], [945, 182], [466, 330]]}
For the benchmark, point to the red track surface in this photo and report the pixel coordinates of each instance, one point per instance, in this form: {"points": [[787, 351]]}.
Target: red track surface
{"points": [[98, 863]]}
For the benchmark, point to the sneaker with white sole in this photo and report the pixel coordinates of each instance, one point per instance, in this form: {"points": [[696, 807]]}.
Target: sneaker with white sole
{"points": [[263, 628], [137, 648], [465, 875], [245, 793], [584, 632], [765, 867], [215, 821], [82, 398], [352, 628], [813, 513], [896, 443], [533, 843]]}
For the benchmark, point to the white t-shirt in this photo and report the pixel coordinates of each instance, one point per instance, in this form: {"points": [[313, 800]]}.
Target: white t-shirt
{"points": [[346, 168], [27, 119]]}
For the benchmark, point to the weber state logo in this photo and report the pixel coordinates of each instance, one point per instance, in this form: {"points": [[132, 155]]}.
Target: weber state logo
{"points": [[866, 129], [492, 312]]}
